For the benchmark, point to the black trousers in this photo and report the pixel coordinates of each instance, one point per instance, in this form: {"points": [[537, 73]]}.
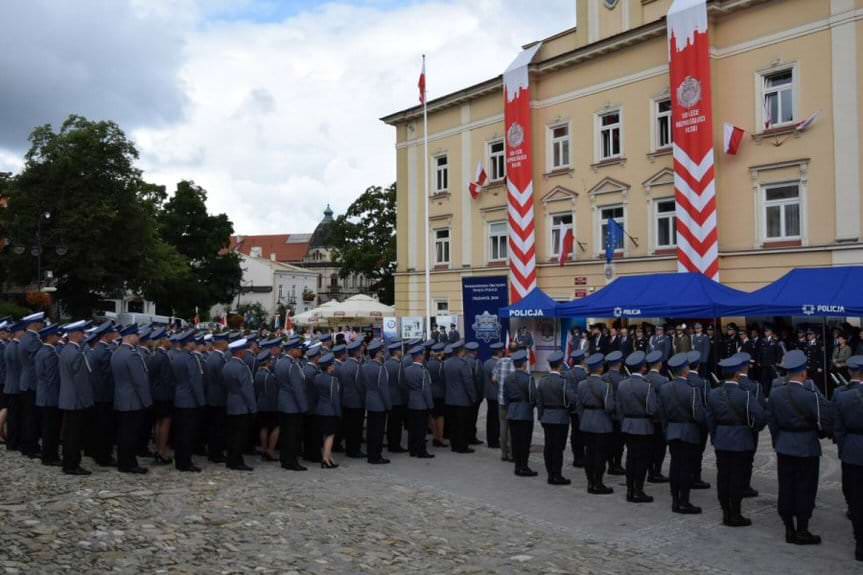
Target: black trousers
{"points": [[616, 445], [492, 423], [731, 473], [13, 421], [29, 423], [395, 423], [311, 438], [474, 417], [521, 432], [683, 469], [555, 443], [659, 448], [639, 451], [73, 439], [852, 477], [51, 419], [185, 425], [417, 420], [700, 458], [217, 431], [798, 485], [236, 430], [146, 430], [102, 432], [576, 439], [290, 426], [596, 454], [375, 423], [458, 423], [352, 429], [129, 424]]}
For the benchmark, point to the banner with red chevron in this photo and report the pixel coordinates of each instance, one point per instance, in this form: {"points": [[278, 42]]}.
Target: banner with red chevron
{"points": [[692, 119], [519, 176]]}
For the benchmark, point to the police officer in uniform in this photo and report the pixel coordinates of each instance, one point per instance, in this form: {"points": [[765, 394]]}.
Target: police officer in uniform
{"points": [[353, 400], [47, 366], [701, 344], [730, 343], [12, 388], [162, 387], [595, 404], [471, 348], [754, 387], [4, 337], [102, 430], [267, 400], [490, 390], [189, 399], [30, 343], [311, 430], [575, 375], [636, 409], [131, 398], [240, 407], [848, 432], [661, 343], [460, 398], [435, 368], [798, 415], [217, 396], [614, 376], [76, 397], [769, 355], [292, 404], [553, 412], [703, 385], [519, 401], [654, 360], [732, 417], [377, 401], [419, 403], [396, 416]]}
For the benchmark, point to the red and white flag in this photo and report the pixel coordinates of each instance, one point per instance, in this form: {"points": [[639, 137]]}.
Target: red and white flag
{"points": [[566, 245], [807, 123], [477, 185], [733, 136], [765, 113], [422, 83]]}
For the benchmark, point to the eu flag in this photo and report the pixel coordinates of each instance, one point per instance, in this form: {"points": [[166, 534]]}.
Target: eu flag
{"points": [[613, 239]]}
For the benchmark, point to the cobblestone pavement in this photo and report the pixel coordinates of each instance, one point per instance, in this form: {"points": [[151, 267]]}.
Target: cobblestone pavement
{"points": [[453, 514]]}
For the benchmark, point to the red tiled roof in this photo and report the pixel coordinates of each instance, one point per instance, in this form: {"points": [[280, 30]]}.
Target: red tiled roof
{"points": [[279, 244]]}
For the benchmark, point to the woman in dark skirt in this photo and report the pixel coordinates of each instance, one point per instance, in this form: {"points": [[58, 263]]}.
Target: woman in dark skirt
{"points": [[267, 396], [329, 408]]}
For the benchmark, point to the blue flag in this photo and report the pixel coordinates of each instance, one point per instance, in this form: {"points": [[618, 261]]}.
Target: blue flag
{"points": [[613, 239]]}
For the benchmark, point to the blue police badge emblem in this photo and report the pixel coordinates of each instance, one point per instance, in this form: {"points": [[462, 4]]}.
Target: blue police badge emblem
{"points": [[486, 327]]}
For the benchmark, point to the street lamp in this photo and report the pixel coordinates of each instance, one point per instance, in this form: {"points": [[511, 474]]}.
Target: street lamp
{"points": [[37, 250]]}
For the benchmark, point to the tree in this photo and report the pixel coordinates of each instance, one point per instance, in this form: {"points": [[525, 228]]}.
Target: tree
{"points": [[82, 200], [364, 240], [253, 314], [211, 274]]}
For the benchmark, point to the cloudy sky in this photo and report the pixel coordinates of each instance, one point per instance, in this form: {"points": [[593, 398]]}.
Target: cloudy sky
{"points": [[271, 105]]}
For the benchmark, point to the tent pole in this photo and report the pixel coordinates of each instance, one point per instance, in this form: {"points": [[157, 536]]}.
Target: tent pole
{"points": [[824, 355]]}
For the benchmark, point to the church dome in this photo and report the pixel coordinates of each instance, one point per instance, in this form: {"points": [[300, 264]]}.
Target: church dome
{"points": [[322, 236]]}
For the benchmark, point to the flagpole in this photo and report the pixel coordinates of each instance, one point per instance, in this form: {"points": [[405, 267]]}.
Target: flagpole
{"points": [[426, 204]]}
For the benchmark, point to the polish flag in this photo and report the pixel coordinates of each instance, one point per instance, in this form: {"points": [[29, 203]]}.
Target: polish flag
{"points": [[422, 83], [733, 136], [765, 112], [566, 246], [476, 186], [807, 123]]}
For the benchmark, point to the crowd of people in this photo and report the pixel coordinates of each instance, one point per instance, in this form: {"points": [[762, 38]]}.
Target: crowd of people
{"points": [[173, 395]]}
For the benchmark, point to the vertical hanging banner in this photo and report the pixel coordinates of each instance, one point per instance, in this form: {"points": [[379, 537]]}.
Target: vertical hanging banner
{"points": [[482, 297], [692, 120], [519, 175]]}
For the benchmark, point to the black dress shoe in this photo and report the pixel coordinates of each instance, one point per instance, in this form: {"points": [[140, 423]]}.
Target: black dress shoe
{"points": [[397, 450], [425, 455], [600, 489], [217, 459], [803, 537], [749, 492], [189, 469], [137, 470], [52, 462], [326, 465], [686, 509], [858, 553], [790, 534], [641, 497], [657, 478], [700, 485], [616, 470], [267, 457], [163, 460], [242, 467], [737, 521], [379, 461], [77, 471], [558, 480], [293, 466], [437, 443], [525, 472]]}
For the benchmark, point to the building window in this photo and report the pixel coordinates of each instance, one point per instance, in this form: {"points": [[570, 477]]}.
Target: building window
{"points": [[135, 306], [609, 135], [441, 247], [777, 98], [441, 174], [496, 161], [559, 224], [255, 251], [605, 214], [498, 233], [782, 212], [560, 147], [664, 135], [666, 224], [441, 306], [334, 281], [281, 291]]}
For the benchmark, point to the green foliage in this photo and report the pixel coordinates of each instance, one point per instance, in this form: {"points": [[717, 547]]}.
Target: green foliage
{"points": [[13, 310], [364, 239], [254, 313]]}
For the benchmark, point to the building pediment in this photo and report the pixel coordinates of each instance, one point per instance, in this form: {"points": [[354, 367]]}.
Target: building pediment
{"points": [[559, 194], [608, 186], [664, 177]]}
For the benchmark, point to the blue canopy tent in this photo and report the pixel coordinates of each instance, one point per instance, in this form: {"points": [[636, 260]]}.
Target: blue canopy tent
{"points": [[679, 295], [535, 304]]}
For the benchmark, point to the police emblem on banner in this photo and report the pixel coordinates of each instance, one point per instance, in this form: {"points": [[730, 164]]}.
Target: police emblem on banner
{"points": [[486, 327], [689, 92], [515, 135]]}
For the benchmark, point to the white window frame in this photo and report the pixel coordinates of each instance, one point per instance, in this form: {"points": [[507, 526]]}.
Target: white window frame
{"points": [[599, 129], [496, 159], [657, 216], [438, 261], [491, 240], [657, 117], [764, 204], [760, 93], [554, 245], [437, 307], [436, 174], [599, 244], [552, 141]]}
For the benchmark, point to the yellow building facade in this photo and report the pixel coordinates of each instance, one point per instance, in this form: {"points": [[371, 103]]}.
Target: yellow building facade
{"points": [[601, 149]]}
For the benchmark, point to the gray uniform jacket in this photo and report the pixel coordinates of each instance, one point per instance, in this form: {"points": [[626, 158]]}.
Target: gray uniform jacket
{"points": [[703, 384], [217, 394], [292, 386], [266, 391], [614, 377], [161, 376], [460, 388], [519, 396], [239, 386], [701, 344], [76, 393], [733, 418], [101, 377], [682, 408], [573, 376], [47, 376], [490, 390], [29, 346], [660, 343], [798, 415], [377, 386], [329, 395], [398, 391], [438, 382], [636, 405], [131, 385], [595, 405], [13, 368], [310, 372], [419, 387], [352, 385], [552, 403], [476, 369], [189, 380], [848, 422]]}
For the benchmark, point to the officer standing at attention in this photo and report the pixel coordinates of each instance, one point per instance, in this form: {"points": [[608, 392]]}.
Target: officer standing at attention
{"points": [[701, 344], [595, 403], [636, 410], [377, 401], [189, 400], [682, 409], [614, 376], [311, 431], [131, 399], [518, 399], [435, 368], [267, 401], [703, 385], [490, 390], [12, 389], [574, 375], [292, 404], [28, 346], [329, 407], [420, 403], [48, 393], [732, 416], [798, 416], [471, 348], [353, 400], [654, 360], [240, 404], [553, 411], [102, 426], [396, 416], [76, 397], [848, 432], [460, 398], [769, 355], [754, 387], [162, 387], [661, 343], [217, 397]]}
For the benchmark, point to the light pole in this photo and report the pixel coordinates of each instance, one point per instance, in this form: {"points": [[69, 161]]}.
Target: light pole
{"points": [[37, 249]]}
